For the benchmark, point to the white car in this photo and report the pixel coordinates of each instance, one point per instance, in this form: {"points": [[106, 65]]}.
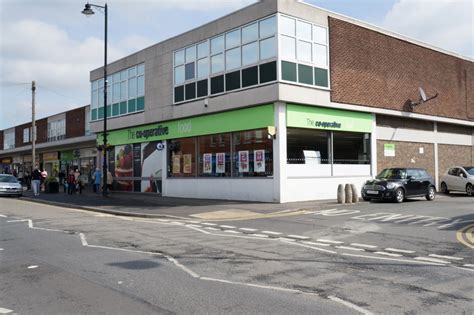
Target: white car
{"points": [[458, 178]]}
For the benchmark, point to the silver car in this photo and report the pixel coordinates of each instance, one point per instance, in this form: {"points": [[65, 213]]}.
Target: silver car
{"points": [[9, 185], [458, 178]]}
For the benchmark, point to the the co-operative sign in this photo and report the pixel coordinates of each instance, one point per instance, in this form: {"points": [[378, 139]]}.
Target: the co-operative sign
{"points": [[323, 124], [147, 133]]}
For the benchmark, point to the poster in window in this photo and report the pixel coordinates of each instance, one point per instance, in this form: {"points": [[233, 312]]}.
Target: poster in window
{"points": [[124, 167], [187, 167], [151, 166], [220, 163], [259, 161], [176, 164], [243, 161], [207, 163]]}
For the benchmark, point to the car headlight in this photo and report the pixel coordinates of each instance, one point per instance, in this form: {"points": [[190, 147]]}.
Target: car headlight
{"points": [[391, 185]]}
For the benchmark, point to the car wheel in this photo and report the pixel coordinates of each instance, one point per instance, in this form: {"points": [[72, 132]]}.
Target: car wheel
{"points": [[470, 190], [444, 188], [431, 193], [399, 195], [366, 198]]}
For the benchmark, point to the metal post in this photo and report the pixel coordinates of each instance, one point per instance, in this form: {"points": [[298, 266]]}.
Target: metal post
{"points": [[33, 124], [104, 149]]}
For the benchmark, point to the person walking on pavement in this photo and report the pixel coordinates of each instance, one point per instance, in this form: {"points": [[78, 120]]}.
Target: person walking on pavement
{"points": [[97, 180], [36, 181], [71, 182], [110, 180], [77, 176]]}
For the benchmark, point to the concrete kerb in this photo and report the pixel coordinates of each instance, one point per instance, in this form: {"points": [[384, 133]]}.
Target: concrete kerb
{"points": [[105, 211]]}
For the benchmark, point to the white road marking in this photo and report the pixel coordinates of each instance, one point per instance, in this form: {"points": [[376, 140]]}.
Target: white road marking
{"points": [[259, 235], [3, 216], [194, 222], [5, 310], [32, 267], [363, 245], [272, 233], [177, 223], [178, 264], [351, 248], [350, 305], [232, 231], [396, 250], [83, 239], [440, 261], [162, 220], [248, 229], [329, 241], [207, 223], [315, 243], [120, 282], [1, 248], [445, 257], [312, 247], [388, 254], [469, 265], [194, 225], [395, 259], [228, 226], [212, 228], [298, 237], [286, 239]]}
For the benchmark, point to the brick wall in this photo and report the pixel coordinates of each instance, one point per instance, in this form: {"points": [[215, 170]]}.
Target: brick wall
{"points": [[372, 69], [75, 122], [42, 130], [406, 155], [454, 155], [402, 122], [1, 139]]}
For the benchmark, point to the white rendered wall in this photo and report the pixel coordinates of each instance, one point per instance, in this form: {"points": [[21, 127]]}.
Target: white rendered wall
{"points": [[258, 189]]}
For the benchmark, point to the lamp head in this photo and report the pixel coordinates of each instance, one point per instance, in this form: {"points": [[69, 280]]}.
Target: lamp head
{"points": [[87, 10]]}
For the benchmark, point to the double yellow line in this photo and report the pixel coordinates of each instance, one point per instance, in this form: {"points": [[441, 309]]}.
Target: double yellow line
{"points": [[466, 235]]}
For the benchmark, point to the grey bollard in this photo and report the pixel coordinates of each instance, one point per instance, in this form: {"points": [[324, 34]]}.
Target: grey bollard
{"points": [[355, 194], [348, 191], [341, 196]]}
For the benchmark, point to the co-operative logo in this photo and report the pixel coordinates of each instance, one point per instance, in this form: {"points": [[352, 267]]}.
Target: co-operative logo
{"points": [[160, 146]]}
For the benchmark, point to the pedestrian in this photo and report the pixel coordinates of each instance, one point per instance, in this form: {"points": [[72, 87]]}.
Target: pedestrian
{"points": [[28, 180], [21, 177], [71, 182], [110, 180], [77, 177], [36, 181], [97, 178]]}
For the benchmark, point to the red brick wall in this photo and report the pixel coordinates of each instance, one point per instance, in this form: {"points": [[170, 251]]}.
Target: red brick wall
{"points": [[75, 122], [1, 139], [372, 69], [42, 130]]}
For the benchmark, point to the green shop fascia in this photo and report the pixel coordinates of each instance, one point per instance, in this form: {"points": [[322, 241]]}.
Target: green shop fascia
{"points": [[236, 120]]}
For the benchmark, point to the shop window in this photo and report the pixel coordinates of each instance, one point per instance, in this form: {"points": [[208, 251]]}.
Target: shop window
{"points": [[305, 74], [232, 81], [288, 71], [179, 94], [217, 84], [268, 72], [321, 77], [214, 155], [250, 76], [351, 148], [308, 146], [182, 157], [252, 154], [190, 91], [202, 88]]}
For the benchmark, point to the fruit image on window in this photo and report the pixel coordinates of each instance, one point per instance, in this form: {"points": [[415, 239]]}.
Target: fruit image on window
{"points": [[124, 167]]}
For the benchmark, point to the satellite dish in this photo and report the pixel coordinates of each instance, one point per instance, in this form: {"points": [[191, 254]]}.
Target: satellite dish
{"points": [[422, 94]]}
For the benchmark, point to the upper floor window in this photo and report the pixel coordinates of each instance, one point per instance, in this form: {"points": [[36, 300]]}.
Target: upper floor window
{"points": [[9, 139], [26, 135], [57, 130], [237, 59], [303, 52], [125, 93]]}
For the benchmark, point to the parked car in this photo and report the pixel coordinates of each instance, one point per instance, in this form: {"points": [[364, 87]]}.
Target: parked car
{"points": [[458, 178], [397, 184], [10, 186]]}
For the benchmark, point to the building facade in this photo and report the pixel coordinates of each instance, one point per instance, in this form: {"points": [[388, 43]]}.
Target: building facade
{"points": [[63, 142]]}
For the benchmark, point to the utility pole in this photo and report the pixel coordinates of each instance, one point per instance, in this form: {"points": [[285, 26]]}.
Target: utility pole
{"points": [[33, 124]]}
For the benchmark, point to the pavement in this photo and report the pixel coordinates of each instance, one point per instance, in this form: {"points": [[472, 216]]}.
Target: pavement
{"points": [[148, 205]]}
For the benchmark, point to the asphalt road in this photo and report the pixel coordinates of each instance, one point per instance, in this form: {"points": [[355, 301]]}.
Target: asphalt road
{"points": [[343, 260]]}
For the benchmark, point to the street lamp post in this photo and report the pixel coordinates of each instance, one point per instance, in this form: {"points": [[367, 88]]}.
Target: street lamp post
{"points": [[88, 11]]}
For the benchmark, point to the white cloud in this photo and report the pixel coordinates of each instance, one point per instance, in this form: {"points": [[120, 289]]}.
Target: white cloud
{"points": [[447, 24]]}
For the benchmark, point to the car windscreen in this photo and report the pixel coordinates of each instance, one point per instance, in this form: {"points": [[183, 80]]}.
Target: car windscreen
{"points": [[392, 173], [8, 179], [469, 169]]}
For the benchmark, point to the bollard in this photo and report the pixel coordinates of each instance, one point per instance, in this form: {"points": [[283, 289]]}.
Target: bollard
{"points": [[341, 196], [355, 195], [348, 191]]}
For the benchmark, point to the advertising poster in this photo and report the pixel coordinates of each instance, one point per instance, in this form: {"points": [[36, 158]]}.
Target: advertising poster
{"points": [[187, 166], [220, 163], [176, 164], [259, 161], [243, 161], [389, 149], [207, 163], [124, 167], [151, 166]]}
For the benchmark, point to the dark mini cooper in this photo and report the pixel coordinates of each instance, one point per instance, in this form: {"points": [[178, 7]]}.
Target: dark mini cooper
{"points": [[398, 184]]}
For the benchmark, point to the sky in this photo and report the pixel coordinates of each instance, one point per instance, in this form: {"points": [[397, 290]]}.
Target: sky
{"points": [[52, 43]]}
